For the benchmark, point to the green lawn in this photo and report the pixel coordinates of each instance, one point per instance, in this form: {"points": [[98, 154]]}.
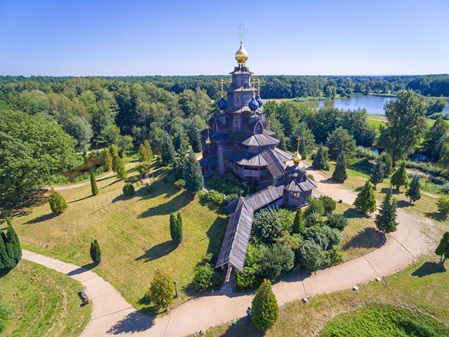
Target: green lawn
{"points": [[42, 302], [133, 233]]}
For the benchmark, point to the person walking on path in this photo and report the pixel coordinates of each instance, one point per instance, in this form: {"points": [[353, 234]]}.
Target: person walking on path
{"points": [[248, 313]]}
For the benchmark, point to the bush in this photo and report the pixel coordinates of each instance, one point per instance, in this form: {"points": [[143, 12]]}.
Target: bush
{"points": [[95, 252], [203, 278], [363, 152], [311, 256], [269, 223], [57, 203], [443, 205], [334, 256], [337, 221], [128, 189], [148, 189], [313, 219], [329, 204], [246, 280], [314, 206], [274, 261], [161, 290], [212, 197]]}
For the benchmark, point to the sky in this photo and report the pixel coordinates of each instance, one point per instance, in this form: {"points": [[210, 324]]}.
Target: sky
{"points": [[196, 37]]}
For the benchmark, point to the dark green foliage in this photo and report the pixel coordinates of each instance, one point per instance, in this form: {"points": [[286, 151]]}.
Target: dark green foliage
{"points": [[386, 218], [167, 151], [128, 189], [317, 235], [179, 226], [265, 309], [399, 178], [336, 221], [443, 205], [213, 197], [314, 206], [194, 138], [306, 143], [388, 161], [192, 174], [443, 248], [328, 203], [274, 260], [121, 170], [57, 202], [313, 219], [340, 140], [93, 183], [205, 278], [162, 290], [106, 160], [269, 223], [298, 223], [414, 190], [321, 160], [340, 174], [176, 228], [365, 201], [377, 172], [433, 142], [116, 162], [5, 261], [311, 256], [95, 252], [10, 249]]}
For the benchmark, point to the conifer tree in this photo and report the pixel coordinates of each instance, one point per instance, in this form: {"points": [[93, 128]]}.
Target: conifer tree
{"points": [[13, 239], [116, 162], [443, 248], [143, 157], [377, 173], [10, 249], [321, 161], [298, 223], [121, 170], [265, 309], [399, 178], [340, 174], [386, 219], [57, 202], [365, 201], [95, 252], [113, 150], [414, 190], [167, 150], [106, 160], [5, 261], [93, 183], [174, 232], [162, 290], [179, 227], [443, 205], [194, 138], [192, 174], [302, 148], [388, 161]]}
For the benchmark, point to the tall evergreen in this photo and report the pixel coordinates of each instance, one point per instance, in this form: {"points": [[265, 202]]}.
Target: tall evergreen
{"points": [[5, 261], [194, 138], [388, 161], [10, 249], [14, 240], [175, 231], [121, 170], [414, 190], [192, 174], [365, 201], [399, 178], [265, 308], [167, 150], [145, 152], [57, 202], [93, 183], [386, 219], [95, 252], [106, 160], [116, 162], [340, 174], [377, 173], [179, 227], [443, 248], [321, 161], [298, 223]]}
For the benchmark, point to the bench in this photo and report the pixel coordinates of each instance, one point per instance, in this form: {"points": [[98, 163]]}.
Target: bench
{"points": [[83, 296]]}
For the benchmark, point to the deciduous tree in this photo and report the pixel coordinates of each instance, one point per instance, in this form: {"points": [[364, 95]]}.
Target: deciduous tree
{"points": [[443, 248]]}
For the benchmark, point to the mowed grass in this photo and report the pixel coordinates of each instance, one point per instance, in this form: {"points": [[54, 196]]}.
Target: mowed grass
{"points": [[43, 302], [422, 288], [133, 233]]}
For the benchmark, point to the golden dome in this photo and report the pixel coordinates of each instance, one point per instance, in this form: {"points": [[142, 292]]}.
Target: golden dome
{"points": [[241, 55], [297, 157]]}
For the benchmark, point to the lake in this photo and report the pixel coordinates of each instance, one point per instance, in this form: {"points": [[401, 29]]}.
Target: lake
{"points": [[373, 104]]}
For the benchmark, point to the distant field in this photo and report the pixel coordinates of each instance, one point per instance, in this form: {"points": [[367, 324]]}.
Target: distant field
{"points": [[43, 303]]}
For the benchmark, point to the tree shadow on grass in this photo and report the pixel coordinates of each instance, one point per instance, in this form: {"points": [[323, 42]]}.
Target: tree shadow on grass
{"points": [[4, 272], [403, 204], [215, 234], [41, 218], [362, 166], [242, 328], [110, 184], [436, 216], [158, 251], [82, 269], [367, 238], [429, 268], [172, 206], [384, 190], [352, 213], [81, 199], [132, 323], [123, 197]]}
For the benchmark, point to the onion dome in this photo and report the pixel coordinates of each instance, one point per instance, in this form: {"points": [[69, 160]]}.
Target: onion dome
{"points": [[241, 55], [208, 142], [222, 104], [297, 158], [259, 100], [253, 105]]}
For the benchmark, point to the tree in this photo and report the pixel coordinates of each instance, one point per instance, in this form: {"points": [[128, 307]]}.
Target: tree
{"points": [[106, 160], [116, 162], [443, 205], [128, 189], [5, 261], [386, 218], [192, 174], [298, 223], [265, 309], [388, 170], [434, 139], [328, 203], [405, 124], [57, 203], [321, 160], [414, 191], [194, 138], [365, 201], [274, 260], [310, 255], [443, 248], [336, 221], [179, 227], [93, 184], [121, 170], [161, 290], [377, 172], [173, 228], [167, 151], [338, 141], [145, 152], [399, 178], [95, 252], [10, 249], [340, 174]]}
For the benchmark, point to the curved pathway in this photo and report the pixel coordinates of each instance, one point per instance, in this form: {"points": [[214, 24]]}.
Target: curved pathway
{"points": [[112, 315]]}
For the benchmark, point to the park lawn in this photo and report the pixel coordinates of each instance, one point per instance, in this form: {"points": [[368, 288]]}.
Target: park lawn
{"points": [[422, 287], [43, 302], [133, 233]]}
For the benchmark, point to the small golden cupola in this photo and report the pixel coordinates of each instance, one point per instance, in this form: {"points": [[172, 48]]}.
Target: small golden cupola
{"points": [[241, 55], [297, 157]]}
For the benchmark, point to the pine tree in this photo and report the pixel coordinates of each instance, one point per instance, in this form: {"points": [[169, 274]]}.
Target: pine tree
{"points": [[161, 290], [414, 191], [386, 219], [5, 261], [143, 157], [321, 161], [116, 162], [179, 227], [121, 170], [388, 161], [106, 160], [377, 173], [174, 233], [340, 174], [57, 202], [149, 151], [194, 138], [265, 309], [95, 252], [14, 241], [365, 201], [443, 247], [167, 151], [192, 174], [298, 223], [302, 148], [10, 249], [93, 184], [399, 178]]}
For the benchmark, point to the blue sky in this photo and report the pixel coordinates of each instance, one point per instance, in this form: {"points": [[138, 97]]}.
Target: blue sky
{"points": [[302, 37]]}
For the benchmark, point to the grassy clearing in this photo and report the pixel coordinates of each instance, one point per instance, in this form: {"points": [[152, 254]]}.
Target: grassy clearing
{"points": [[422, 288], [43, 302], [133, 233]]}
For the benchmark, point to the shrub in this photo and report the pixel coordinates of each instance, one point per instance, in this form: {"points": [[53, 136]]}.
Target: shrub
{"points": [[311, 256], [443, 205], [265, 309], [57, 203], [269, 223], [274, 260], [363, 152], [180, 183], [203, 276], [340, 174], [128, 189], [337, 221], [246, 280], [334, 256], [93, 184], [328, 203], [161, 290], [95, 252], [314, 206], [313, 219], [212, 197]]}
